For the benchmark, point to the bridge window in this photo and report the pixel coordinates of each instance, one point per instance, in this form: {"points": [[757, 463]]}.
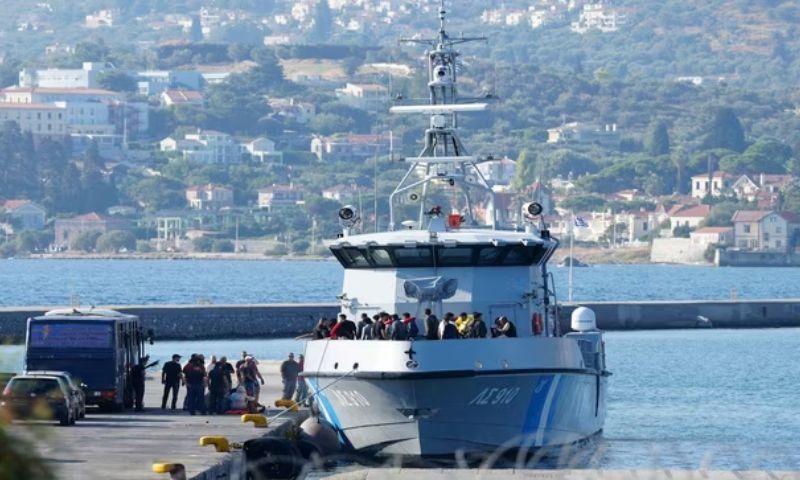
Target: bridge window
{"points": [[428, 256]]}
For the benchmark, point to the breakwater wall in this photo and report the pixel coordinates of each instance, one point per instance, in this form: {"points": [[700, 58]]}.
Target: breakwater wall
{"points": [[194, 322]]}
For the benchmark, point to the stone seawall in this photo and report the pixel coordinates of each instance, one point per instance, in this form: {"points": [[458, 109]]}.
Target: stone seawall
{"points": [[194, 322]]}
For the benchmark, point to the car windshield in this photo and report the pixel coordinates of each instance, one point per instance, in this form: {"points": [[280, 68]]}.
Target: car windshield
{"points": [[34, 386]]}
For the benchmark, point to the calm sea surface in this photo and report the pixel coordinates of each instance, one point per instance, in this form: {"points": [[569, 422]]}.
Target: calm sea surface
{"points": [[53, 282], [725, 399]]}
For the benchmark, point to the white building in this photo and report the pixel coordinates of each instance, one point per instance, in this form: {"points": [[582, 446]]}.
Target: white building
{"points": [[205, 146], [498, 172], [279, 196], [712, 236], [262, 149], [86, 77], [100, 19], [364, 95], [209, 197], [170, 98], [357, 147], [716, 185], [41, 119], [764, 230], [575, 132], [595, 16]]}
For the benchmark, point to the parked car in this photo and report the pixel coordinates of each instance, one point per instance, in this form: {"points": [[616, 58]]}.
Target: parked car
{"points": [[39, 397], [76, 389]]}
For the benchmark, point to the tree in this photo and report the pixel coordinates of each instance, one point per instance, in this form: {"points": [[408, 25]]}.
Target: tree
{"points": [[322, 26], [196, 30], [528, 169], [721, 214], [300, 246], [222, 245], [202, 244], [90, 51], [85, 241], [98, 192], [156, 193], [583, 203], [330, 123], [725, 131], [117, 81], [658, 143], [115, 241]]}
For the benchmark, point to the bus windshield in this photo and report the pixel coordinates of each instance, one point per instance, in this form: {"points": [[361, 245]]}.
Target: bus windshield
{"points": [[69, 335]]}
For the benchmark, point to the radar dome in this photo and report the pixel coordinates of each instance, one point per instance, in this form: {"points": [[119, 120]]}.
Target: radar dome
{"points": [[583, 320]]}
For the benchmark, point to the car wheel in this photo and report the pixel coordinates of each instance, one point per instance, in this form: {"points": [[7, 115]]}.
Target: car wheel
{"points": [[66, 420]]}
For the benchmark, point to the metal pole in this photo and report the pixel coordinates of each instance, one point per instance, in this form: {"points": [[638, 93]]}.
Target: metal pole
{"points": [[571, 242]]}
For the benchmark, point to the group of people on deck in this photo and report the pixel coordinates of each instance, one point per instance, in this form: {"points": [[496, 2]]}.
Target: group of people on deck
{"points": [[386, 326]]}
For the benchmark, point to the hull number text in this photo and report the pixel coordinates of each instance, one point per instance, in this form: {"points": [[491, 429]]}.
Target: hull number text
{"points": [[495, 396]]}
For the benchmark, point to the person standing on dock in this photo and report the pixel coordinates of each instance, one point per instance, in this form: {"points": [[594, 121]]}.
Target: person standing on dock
{"points": [[172, 379], [217, 388], [289, 372], [301, 396], [195, 374], [137, 381]]}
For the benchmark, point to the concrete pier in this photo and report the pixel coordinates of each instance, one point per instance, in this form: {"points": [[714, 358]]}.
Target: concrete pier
{"points": [[125, 445], [194, 322]]}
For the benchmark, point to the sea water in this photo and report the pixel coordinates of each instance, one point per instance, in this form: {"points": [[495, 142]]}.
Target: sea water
{"points": [[126, 282]]}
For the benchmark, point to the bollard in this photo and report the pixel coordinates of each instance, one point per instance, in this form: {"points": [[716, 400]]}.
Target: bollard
{"points": [[259, 421], [288, 404], [176, 470], [221, 444]]}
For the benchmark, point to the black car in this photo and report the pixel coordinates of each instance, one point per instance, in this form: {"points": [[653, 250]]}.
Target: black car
{"points": [[39, 397], [74, 387]]}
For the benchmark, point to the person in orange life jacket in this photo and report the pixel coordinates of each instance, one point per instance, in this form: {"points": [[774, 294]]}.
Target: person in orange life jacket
{"points": [[411, 325]]}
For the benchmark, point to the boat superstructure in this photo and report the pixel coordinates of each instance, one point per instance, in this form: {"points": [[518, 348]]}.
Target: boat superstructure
{"points": [[472, 395]]}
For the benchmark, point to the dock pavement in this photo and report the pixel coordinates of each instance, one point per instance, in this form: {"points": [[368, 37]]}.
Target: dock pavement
{"points": [[111, 446]]}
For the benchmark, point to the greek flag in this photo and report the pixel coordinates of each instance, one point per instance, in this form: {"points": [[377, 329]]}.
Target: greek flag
{"points": [[580, 222]]}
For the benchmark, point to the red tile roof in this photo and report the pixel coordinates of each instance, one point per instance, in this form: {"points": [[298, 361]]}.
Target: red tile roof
{"points": [[14, 204], [692, 211], [750, 215], [184, 96]]}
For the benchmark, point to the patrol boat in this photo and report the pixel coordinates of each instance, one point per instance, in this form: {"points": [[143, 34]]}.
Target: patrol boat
{"points": [[469, 396]]}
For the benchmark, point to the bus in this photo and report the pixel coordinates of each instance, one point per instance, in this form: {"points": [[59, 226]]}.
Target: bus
{"points": [[97, 347]]}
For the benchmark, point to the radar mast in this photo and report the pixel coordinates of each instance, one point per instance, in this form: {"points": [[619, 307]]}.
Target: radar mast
{"points": [[443, 157]]}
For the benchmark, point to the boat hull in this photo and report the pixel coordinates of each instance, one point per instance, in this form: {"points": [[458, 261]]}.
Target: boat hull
{"points": [[460, 412]]}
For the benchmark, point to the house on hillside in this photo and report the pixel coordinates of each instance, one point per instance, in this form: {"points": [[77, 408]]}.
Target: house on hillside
{"points": [[368, 96], [204, 146], [209, 197], [765, 230], [344, 193], [293, 110], [357, 147], [582, 133], [753, 188], [688, 215], [280, 196], [262, 149], [67, 229], [27, 215], [498, 172], [718, 183], [170, 98]]}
